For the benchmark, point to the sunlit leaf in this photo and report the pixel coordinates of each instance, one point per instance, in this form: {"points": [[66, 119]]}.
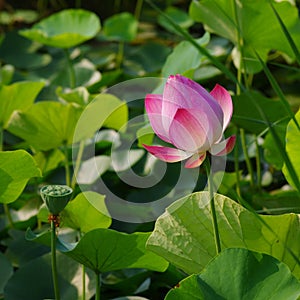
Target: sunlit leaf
{"points": [[65, 29], [191, 60], [247, 275], [46, 125], [18, 96], [121, 27], [104, 250], [105, 110], [184, 233], [177, 15], [16, 168], [292, 148], [81, 215]]}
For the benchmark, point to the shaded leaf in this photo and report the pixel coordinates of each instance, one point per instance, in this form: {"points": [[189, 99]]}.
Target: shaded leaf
{"points": [[33, 281], [263, 35], [6, 271]]}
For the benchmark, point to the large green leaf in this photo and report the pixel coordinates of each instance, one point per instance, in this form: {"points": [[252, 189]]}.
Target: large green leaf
{"points": [[46, 125], [292, 148], [82, 215], [239, 274], [254, 20], [16, 168], [191, 60], [65, 29], [18, 96], [105, 110], [184, 233], [104, 250], [121, 27], [33, 280], [6, 271]]}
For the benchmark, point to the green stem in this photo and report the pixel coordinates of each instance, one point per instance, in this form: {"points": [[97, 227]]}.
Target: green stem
{"points": [[138, 9], [53, 260], [83, 282], [120, 54], [247, 158], [1, 139], [67, 169], [98, 286], [212, 206], [237, 167], [8, 215], [77, 163], [258, 165], [71, 69]]}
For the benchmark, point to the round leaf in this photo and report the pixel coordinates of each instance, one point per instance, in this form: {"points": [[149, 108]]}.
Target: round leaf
{"points": [[252, 276], [104, 250], [121, 27], [65, 29], [46, 125], [184, 233], [16, 168], [80, 214]]}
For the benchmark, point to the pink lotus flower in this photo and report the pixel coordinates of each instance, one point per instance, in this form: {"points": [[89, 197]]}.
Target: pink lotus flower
{"points": [[191, 119]]}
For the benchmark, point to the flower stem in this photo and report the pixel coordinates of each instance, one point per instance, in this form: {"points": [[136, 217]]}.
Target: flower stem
{"points": [[138, 9], [258, 165], [98, 286], [247, 158], [8, 215], [67, 169], [71, 69], [83, 282], [53, 260], [236, 166], [212, 206], [77, 163]]}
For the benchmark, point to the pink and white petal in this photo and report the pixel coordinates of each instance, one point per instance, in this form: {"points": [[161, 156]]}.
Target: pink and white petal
{"points": [[193, 131], [189, 94], [190, 131], [167, 154], [153, 105], [195, 161], [224, 147], [224, 99]]}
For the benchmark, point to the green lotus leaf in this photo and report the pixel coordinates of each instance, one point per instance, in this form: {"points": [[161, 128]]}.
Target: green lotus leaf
{"points": [[104, 250], [121, 27], [46, 125], [16, 168], [239, 274], [86, 212], [18, 96], [254, 22], [184, 233], [65, 29], [292, 139]]}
